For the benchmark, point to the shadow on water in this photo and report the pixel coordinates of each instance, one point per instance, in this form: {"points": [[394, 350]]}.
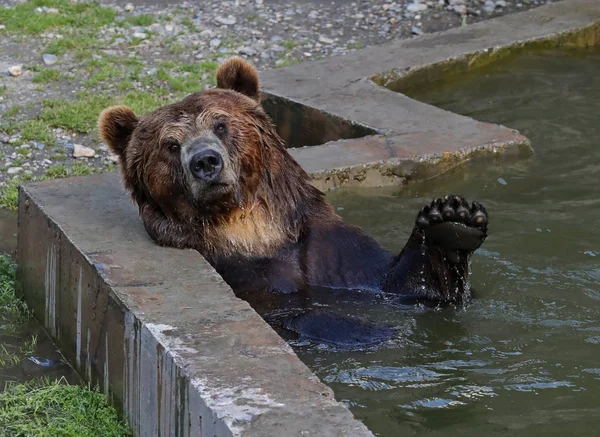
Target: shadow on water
{"points": [[521, 359], [45, 360]]}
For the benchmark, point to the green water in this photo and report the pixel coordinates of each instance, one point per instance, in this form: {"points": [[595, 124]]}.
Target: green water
{"points": [[523, 359]]}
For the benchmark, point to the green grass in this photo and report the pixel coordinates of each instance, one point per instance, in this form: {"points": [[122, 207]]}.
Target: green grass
{"points": [[23, 19], [32, 130], [9, 194], [287, 61], [13, 311], [78, 40], [42, 408], [57, 171], [13, 315], [289, 44], [48, 75], [12, 111], [141, 20]]}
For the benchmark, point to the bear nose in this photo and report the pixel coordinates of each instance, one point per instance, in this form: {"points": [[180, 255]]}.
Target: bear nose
{"points": [[206, 165]]}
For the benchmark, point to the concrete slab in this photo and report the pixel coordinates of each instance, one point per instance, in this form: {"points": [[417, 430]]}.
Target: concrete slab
{"points": [[384, 137], [158, 328]]}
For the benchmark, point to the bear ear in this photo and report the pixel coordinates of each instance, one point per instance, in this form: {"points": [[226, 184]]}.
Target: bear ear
{"points": [[239, 75], [116, 124]]}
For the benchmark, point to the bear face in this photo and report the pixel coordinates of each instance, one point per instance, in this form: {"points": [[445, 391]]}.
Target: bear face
{"points": [[213, 160]]}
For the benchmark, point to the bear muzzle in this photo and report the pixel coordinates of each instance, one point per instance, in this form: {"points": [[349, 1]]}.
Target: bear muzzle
{"points": [[206, 165]]}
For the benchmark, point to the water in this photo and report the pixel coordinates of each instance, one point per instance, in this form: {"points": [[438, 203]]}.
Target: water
{"points": [[523, 358]]}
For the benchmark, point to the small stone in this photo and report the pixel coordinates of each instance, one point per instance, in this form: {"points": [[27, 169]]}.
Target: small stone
{"points": [[276, 38], [169, 27], [258, 2], [14, 170], [229, 20], [416, 30], [215, 43], [49, 59], [207, 34], [460, 9], [15, 70], [141, 35], [2, 27], [500, 4], [129, 7], [52, 11], [458, 2], [489, 6], [248, 51], [416, 7], [80, 151], [325, 40], [113, 158]]}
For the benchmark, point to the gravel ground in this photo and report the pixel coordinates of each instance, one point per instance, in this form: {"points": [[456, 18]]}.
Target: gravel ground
{"points": [[60, 69]]}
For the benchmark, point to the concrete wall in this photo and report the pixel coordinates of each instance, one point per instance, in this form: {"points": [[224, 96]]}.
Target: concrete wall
{"points": [[158, 329]]}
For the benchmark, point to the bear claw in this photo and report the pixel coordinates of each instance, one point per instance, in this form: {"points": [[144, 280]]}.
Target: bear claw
{"points": [[452, 209]]}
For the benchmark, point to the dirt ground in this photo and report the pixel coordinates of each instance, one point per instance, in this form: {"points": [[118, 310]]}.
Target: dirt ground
{"points": [[63, 61]]}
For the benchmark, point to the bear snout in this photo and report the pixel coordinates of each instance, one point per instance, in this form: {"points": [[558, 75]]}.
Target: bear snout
{"points": [[206, 165]]}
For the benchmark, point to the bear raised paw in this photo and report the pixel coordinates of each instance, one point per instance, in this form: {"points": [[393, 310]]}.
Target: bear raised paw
{"points": [[210, 173]]}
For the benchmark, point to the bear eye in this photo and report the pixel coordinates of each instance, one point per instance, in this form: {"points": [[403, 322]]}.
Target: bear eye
{"points": [[220, 128], [173, 145]]}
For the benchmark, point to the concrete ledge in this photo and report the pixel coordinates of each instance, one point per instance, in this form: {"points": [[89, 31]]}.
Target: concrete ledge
{"points": [[386, 137], [158, 328]]}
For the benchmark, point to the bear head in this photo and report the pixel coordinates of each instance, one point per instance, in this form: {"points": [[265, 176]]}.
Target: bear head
{"points": [[213, 162]]}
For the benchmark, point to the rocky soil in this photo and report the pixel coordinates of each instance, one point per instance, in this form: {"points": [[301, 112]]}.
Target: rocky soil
{"points": [[59, 70]]}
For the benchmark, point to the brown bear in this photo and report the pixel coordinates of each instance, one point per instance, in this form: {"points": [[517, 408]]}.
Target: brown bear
{"points": [[210, 173]]}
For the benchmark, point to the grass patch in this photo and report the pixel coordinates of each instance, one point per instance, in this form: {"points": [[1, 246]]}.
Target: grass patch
{"points": [[176, 48], [289, 44], [9, 194], [57, 171], [42, 408], [12, 111], [32, 130], [81, 115], [141, 20], [48, 75], [13, 315], [81, 41], [79, 169], [287, 61], [13, 310], [24, 19]]}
